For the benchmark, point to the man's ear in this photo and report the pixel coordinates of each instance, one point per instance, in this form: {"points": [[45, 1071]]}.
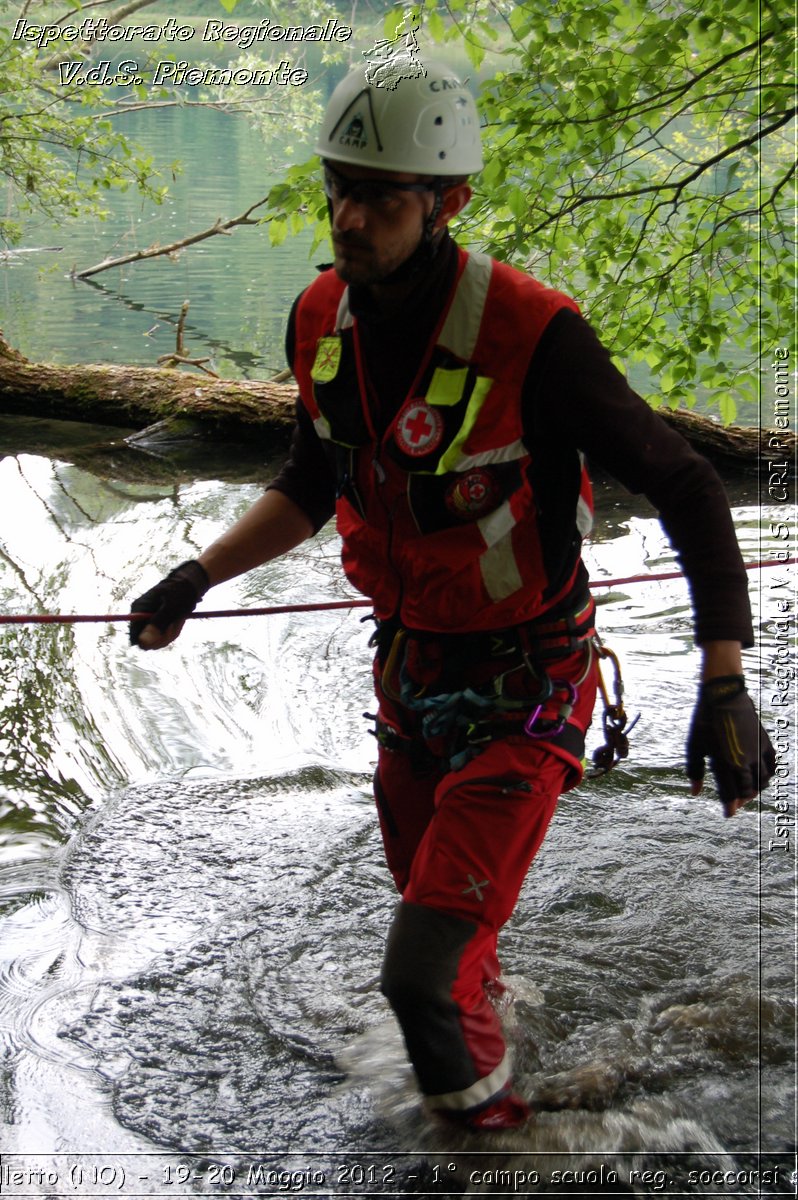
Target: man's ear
{"points": [[455, 198]]}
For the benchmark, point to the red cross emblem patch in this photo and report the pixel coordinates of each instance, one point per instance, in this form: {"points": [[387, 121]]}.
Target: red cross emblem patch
{"points": [[473, 494], [419, 428]]}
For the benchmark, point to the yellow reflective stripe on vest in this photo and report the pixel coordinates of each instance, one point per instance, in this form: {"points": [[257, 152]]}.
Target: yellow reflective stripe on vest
{"points": [[452, 459], [459, 335], [446, 386]]}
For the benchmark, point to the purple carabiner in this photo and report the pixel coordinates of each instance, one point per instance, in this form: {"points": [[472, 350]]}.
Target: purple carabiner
{"points": [[565, 710]]}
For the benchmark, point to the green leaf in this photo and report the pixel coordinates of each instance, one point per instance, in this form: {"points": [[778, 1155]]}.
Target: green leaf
{"points": [[278, 231], [518, 203], [391, 22], [521, 22], [590, 139], [728, 408], [475, 52], [493, 171], [436, 27]]}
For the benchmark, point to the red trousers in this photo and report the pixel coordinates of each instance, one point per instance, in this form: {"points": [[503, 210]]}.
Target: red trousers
{"points": [[459, 844]]}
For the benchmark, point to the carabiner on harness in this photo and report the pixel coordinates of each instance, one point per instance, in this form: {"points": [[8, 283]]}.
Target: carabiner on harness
{"points": [[551, 727], [614, 719], [548, 728]]}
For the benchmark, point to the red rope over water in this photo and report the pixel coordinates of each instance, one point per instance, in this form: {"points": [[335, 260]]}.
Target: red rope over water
{"points": [[321, 605]]}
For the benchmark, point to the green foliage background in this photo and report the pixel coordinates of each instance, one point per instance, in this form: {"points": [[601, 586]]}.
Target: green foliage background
{"points": [[640, 155]]}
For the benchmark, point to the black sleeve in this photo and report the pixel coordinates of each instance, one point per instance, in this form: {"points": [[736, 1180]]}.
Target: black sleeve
{"points": [[575, 395], [306, 476]]}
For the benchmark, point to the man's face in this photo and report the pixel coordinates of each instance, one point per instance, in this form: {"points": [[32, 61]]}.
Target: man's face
{"points": [[375, 226]]}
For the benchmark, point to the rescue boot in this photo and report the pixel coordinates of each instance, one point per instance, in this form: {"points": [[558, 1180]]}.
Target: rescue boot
{"points": [[507, 1112]]}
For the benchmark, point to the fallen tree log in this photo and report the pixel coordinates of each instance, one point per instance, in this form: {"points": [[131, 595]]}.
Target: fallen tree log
{"points": [[732, 445], [136, 397]]}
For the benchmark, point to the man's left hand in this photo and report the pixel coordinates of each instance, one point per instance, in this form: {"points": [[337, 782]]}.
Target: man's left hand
{"points": [[727, 730]]}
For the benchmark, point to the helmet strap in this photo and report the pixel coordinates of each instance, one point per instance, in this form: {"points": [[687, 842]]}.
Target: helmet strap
{"points": [[437, 205]]}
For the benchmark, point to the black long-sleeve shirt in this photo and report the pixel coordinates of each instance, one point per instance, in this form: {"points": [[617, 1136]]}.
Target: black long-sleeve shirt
{"points": [[573, 397]]}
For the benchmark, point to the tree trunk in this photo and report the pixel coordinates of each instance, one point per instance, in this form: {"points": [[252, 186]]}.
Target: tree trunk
{"points": [[732, 445], [135, 397]]}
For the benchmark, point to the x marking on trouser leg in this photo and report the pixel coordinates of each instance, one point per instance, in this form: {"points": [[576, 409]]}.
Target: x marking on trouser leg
{"points": [[475, 887]]}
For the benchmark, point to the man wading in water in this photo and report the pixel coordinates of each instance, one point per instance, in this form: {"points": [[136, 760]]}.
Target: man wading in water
{"points": [[447, 404]]}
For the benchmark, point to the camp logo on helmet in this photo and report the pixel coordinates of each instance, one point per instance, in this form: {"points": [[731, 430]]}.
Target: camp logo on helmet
{"points": [[419, 429], [445, 85], [355, 133]]}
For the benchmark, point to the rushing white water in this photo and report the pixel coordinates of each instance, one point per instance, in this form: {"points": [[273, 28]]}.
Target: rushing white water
{"points": [[194, 901]]}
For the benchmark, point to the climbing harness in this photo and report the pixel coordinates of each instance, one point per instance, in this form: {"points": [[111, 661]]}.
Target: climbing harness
{"points": [[420, 675], [466, 720]]}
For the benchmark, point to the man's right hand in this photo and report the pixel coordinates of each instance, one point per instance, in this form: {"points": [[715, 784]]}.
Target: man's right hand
{"points": [[168, 603]]}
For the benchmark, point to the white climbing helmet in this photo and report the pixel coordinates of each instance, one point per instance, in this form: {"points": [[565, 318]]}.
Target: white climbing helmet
{"points": [[426, 125]]}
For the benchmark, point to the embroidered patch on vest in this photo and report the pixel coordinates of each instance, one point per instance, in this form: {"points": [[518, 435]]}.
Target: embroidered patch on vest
{"points": [[327, 361], [419, 429], [472, 494]]}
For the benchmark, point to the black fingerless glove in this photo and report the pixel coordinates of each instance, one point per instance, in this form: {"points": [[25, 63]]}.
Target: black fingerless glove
{"points": [[171, 600], [727, 730]]}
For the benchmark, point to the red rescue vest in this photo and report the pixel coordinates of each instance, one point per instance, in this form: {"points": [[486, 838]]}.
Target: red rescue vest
{"points": [[437, 515]]}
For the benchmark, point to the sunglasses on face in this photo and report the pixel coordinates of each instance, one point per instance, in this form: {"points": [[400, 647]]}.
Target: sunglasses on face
{"points": [[376, 194]]}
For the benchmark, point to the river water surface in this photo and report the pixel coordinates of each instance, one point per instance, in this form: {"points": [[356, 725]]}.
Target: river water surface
{"points": [[194, 900]]}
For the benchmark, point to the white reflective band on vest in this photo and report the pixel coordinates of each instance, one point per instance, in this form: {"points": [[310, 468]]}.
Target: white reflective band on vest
{"points": [[463, 320], [584, 513], [460, 334], [344, 318], [498, 564], [584, 517], [464, 462]]}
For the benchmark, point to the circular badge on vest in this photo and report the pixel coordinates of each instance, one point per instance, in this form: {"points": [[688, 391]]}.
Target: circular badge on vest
{"points": [[419, 429], [472, 494]]}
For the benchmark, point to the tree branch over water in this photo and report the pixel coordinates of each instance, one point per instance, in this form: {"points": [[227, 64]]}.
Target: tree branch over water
{"points": [[219, 227], [113, 18]]}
